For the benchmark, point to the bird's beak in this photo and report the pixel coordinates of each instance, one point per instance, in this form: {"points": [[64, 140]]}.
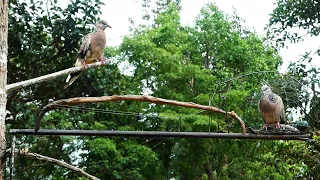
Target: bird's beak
{"points": [[108, 26]]}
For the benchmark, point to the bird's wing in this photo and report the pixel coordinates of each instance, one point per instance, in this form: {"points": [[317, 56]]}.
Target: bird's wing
{"points": [[84, 47], [97, 45], [83, 52], [283, 118]]}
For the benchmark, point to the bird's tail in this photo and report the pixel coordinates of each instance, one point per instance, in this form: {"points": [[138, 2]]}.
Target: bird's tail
{"points": [[71, 78]]}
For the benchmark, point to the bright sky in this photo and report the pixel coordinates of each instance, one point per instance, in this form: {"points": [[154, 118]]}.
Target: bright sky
{"points": [[254, 12]]}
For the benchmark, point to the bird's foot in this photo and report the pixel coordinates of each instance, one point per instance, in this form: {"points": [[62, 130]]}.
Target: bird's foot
{"points": [[84, 65], [265, 127], [101, 60], [278, 125]]}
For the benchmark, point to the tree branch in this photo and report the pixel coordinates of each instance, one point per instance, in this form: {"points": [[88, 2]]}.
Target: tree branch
{"points": [[18, 85], [151, 99], [56, 162], [208, 169]]}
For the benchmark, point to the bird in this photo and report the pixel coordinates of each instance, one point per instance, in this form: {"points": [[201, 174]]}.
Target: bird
{"points": [[271, 107], [91, 50]]}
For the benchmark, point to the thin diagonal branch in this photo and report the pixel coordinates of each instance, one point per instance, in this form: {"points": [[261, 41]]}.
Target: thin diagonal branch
{"points": [[18, 85], [56, 162], [151, 99]]}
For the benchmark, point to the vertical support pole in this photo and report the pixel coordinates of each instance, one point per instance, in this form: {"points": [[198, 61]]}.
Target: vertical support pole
{"points": [[13, 148], [5, 167], [19, 160], [3, 79], [210, 115], [219, 104], [179, 123], [224, 106]]}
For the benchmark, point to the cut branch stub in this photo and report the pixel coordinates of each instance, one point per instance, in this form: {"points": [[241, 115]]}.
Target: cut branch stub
{"points": [[151, 99]]}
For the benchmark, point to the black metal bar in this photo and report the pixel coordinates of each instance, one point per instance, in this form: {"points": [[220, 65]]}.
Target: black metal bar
{"points": [[155, 134], [13, 148], [220, 105], [4, 170]]}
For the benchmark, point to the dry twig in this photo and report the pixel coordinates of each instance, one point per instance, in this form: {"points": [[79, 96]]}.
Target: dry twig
{"points": [[54, 161]]}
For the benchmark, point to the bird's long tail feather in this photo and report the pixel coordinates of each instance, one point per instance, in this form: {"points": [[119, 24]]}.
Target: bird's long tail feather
{"points": [[71, 78]]}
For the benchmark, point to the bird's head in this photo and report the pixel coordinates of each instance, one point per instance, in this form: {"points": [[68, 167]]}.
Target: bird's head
{"points": [[265, 89], [102, 24]]}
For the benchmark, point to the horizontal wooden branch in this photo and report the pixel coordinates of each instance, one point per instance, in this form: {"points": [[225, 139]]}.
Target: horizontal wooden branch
{"points": [[160, 134], [18, 85], [151, 99], [56, 162]]}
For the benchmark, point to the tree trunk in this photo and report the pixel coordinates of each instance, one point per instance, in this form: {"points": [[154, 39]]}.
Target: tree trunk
{"points": [[207, 167], [3, 78]]}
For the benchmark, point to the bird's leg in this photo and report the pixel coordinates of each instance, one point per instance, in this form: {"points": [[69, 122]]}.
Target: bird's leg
{"points": [[265, 126], [278, 125], [85, 65], [101, 60]]}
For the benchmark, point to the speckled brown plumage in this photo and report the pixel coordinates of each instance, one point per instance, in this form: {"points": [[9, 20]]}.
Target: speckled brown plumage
{"points": [[271, 107]]}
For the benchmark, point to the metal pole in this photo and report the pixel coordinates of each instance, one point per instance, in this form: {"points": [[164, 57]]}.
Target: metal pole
{"points": [[13, 147], [220, 105], [42, 132]]}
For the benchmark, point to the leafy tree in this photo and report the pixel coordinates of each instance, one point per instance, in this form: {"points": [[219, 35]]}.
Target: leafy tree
{"points": [[287, 23], [293, 15], [187, 64], [44, 38]]}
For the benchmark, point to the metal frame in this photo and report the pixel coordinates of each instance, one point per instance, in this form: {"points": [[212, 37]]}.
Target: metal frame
{"points": [[42, 132]]}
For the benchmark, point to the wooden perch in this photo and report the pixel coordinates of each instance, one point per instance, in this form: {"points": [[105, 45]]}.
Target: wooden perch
{"points": [[56, 162], [151, 99], [18, 85]]}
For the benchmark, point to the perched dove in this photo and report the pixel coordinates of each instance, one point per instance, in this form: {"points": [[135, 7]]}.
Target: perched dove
{"points": [[271, 107], [90, 50]]}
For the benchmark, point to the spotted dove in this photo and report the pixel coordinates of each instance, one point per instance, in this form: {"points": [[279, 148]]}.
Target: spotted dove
{"points": [[271, 107], [90, 50]]}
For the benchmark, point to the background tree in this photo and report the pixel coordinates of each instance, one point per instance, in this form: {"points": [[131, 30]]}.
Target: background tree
{"points": [[188, 64], [43, 38], [291, 22]]}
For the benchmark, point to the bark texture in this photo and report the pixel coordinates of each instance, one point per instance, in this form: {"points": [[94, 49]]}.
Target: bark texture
{"points": [[3, 78]]}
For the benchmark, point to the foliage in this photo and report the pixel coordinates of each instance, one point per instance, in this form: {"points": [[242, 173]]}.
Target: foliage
{"points": [[293, 15], [286, 23], [288, 20], [44, 38]]}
